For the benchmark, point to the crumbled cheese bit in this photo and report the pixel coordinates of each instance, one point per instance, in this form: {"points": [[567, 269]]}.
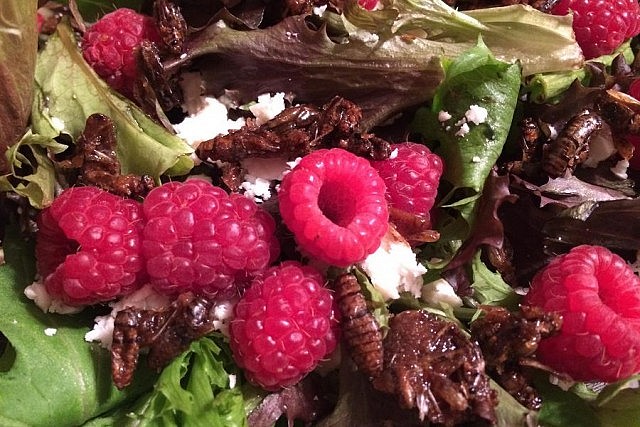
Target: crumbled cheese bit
{"points": [[443, 116], [50, 332], [260, 172], [394, 154], [222, 315], [320, 10], [464, 129], [267, 107], [145, 298], [620, 169], [476, 114], [476, 159], [364, 36], [393, 267], [37, 292], [1, 256], [440, 292], [232, 381], [207, 123]]}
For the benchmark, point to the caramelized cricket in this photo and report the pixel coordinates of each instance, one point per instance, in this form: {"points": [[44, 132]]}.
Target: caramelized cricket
{"points": [[171, 25], [96, 162], [426, 362], [166, 332], [297, 131], [571, 147], [359, 328]]}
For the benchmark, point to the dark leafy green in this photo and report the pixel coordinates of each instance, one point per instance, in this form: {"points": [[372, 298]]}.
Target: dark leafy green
{"points": [[18, 47], [49, 380], [68, 91], [378, 62]]}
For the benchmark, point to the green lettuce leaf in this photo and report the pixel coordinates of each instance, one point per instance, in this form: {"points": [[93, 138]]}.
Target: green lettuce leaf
{"points": [[68, 92], [32, 174], [385, 61], [18, 48], [49, 380], [193, 390], [489, 288]]}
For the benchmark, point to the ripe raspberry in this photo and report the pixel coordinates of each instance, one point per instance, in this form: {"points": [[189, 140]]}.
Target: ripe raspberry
{"points": [[333, 202], [411, 175], [88, 246], [110, 46], [199, 238], [598, 296], [601, 25], [284, 324]]}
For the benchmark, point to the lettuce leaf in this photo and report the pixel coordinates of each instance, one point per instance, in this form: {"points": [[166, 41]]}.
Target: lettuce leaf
{"points": [[49, 380], [193, 390], [68, 92], [32, 174], [385, 61], [18, 47]]}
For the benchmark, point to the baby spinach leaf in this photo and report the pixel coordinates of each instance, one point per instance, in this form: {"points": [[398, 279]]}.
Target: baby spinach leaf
{"points": [[54, 379], [68, 92]]}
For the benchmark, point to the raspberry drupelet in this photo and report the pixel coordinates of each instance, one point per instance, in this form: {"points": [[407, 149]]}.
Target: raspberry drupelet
{"points": [[109, 46], [199, 238], [284, 324], [88, 246], [598, 296], [334, 203]]}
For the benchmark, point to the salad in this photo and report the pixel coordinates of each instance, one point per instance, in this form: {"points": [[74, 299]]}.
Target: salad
{"points": [[351, 213]]}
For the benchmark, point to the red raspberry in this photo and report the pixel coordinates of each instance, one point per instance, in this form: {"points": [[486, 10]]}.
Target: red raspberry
{"points": [[88, 246], [411, 175], [598, 296], [601, 25], [368, 4], [110, 46], [199, 238], [284, 324], [333, 202]]}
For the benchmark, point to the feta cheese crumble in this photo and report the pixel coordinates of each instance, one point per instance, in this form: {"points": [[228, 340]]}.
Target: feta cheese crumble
{"points": [[267, 107], [440, 292], [37, 292], [476, 114], [393, 267], [50, 332], [260, 172]]}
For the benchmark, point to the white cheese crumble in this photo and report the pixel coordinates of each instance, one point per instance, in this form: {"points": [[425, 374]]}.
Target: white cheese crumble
{"points": [[443, 116], [364, 36], [39, 295], [440, 292], [50, 332], [267, 107], [232, 380], [206, 123], [476, 114], [145, 298], [464, 129], [260, 172], [393, 154], [620, 169], [393, 267]]}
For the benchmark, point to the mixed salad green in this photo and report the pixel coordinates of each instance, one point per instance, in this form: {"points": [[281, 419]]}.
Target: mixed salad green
{"points": [[417, 57]]}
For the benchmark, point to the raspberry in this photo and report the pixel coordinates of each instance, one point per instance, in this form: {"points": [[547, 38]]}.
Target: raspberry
{"points": [[411, 175], [333, 202], [598, 296], [110, 46], [283, 325], [199, 238], [601, 25], [88, 246]]}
